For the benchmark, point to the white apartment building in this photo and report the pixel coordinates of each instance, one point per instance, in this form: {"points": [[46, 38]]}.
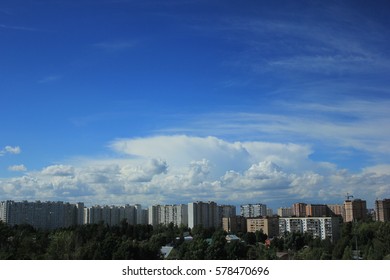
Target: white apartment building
{"points": [[322, 227], [253, 210], [166, 214], [42, 215], [112, 215]]}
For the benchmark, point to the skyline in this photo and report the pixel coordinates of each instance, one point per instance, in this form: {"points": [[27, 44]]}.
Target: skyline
{"points": [[151, 102]]}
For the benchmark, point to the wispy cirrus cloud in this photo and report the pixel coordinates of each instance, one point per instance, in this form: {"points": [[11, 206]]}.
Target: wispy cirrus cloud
{"points": [[342, 42], [115, 46], [50, 79], [17, 28], [346, 123]]}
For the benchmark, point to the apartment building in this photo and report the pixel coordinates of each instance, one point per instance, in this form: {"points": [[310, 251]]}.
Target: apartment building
{"points": [[41, 215], [206, 214], [336, 210], [253, 210], [321, 227], [234, 224], [382, 210], [111, 215], [285, 212], [269, 225], [166, 214], [355, 210], [226, 211], [316, 210], [299, 209]]}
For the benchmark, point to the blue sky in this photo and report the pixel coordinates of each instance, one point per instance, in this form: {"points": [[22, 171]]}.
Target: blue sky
{"points": [[120, 101]]}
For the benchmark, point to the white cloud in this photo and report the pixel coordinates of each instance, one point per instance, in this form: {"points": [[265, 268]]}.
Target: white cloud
{"points": [[10, 150], [145, 172], [18, 168], [381, 169], [58, 170]]}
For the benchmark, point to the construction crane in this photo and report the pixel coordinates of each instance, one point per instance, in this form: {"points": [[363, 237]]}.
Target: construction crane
{"points": [[348, 196]]}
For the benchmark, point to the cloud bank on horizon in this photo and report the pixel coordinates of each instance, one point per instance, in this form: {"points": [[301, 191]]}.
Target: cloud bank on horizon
{"points": [[174, 101], [181, 169]]}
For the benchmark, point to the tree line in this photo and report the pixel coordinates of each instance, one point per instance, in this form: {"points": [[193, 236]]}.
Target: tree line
{"points": [[364, 240]]}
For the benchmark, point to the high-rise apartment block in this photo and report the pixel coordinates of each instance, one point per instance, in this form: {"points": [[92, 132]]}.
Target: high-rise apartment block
{"points": [[299, 209], [166, 214], [285, 212], [316, 210], [113, 215], [355, 210], [234, 224], [382, 210], [336, 210], [42, 215], [253, 210], [206, 214], [226, 211]]}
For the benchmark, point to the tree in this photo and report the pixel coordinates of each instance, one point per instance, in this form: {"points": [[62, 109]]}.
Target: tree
{"points": [[216, 251], [235, 250], [61, 246], [260, 236], [250, 238], [347, 255]]}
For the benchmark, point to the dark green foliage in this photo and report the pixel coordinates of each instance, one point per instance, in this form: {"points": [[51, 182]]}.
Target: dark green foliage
{"points": [[216, 250], [89, 242], [364, 240]]}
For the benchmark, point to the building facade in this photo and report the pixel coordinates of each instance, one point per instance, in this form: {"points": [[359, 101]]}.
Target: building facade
{"points": [[166, 214], [382, 210], [206, 214], [253, 210], [234, 224], [336, 210], [268, 225], [285, 212], [299, 209], [316, 210], [355, 210], [320, 227], [226, 211], [110, 215], [41, 215]]}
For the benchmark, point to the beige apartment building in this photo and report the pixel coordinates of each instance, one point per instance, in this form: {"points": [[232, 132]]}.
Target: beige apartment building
{"points": [[269, 225], [355, 210], [382, 210]]}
